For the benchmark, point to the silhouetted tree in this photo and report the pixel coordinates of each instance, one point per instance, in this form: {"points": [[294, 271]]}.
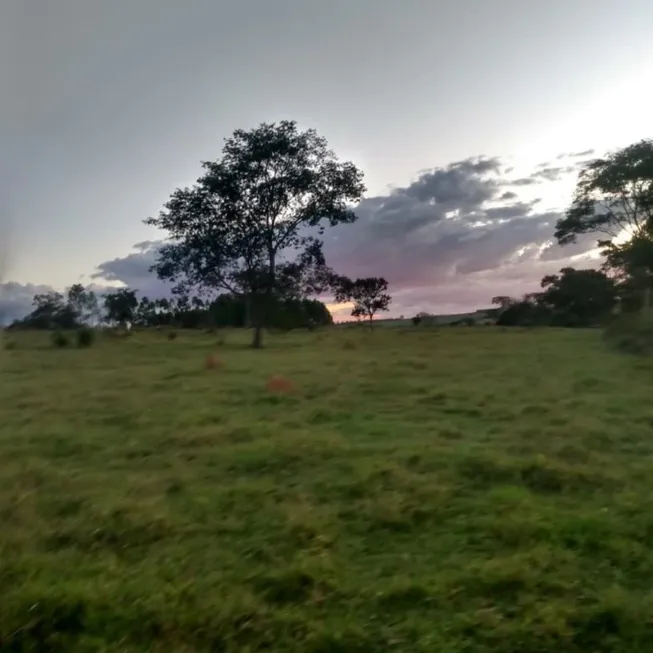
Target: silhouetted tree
{"points": [[614, 198], [83, 303], [631, 265], [503, 301], [245, 221], [525, 312], [578, 297], [369, 295], [120, 306], [51, 311]]}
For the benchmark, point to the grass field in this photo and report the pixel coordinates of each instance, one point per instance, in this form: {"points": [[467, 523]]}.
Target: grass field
{"points": [[440, 491]]}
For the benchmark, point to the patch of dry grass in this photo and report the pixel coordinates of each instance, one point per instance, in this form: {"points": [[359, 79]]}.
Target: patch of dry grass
{"points": [[451, 490]]}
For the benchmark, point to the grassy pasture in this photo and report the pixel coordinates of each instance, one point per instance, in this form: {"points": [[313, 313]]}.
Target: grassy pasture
{"points": [[446, 490]]}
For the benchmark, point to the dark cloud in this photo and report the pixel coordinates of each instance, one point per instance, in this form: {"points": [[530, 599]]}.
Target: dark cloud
{"points": [[552, 173], [575, 155], [133, 270], [523, 181], [578, 155], [543, 172], [448, 241], [16, 300]]}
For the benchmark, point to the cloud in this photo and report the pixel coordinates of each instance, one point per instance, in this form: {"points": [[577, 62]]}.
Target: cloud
{"points": [[133, 270], [447, 242], [544, 172], [575, 155], [552, 173], [16, 299], [523, 181], [450, 221]]}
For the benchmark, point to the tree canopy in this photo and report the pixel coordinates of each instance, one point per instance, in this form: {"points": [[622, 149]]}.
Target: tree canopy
{"points": [[614, 199], [250, 225], [571, 298], [578, 297], [614, 195], [121, 305]]}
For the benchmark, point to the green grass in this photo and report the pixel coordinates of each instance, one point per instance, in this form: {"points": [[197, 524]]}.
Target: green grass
{"points": [[453, 490]]}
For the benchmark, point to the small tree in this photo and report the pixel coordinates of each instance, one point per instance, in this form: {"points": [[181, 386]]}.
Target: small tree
{"points": [[369, 295], [83, 303], [246, 222]]}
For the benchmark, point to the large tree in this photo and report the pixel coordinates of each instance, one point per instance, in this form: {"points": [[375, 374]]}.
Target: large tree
{"points": [[255, 216], [614, 195], [578, 297], [614, 199]]}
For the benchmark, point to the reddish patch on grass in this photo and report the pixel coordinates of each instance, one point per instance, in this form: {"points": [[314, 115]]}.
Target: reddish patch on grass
{"points": [[279, 385], [212, 362]]}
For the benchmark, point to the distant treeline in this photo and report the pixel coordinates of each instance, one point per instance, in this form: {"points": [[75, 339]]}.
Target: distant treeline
{"points": [[82, 307]]}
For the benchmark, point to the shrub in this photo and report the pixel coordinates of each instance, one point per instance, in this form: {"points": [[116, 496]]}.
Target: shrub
{"points": [[416, 320], [60, 340], [172, 335], [85, 337], [526, 314], [117, 332], [631, 333]]}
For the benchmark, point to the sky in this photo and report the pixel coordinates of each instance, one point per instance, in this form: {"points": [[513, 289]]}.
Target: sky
{"points": [[470, 119]]}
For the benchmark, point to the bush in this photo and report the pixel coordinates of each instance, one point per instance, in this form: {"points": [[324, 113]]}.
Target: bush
{"points": [[60, 340], [631, 333], [172, 335], [524, 314], [85, 337], [465, 321]]}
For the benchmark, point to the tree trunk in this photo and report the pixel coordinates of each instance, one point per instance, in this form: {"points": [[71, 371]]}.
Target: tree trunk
{"points": [[257, 321], [646, 304], [257, 340], [248, 311]]}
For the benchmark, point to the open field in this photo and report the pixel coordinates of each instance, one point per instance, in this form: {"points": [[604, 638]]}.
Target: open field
{"points": [[440, 491]]}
